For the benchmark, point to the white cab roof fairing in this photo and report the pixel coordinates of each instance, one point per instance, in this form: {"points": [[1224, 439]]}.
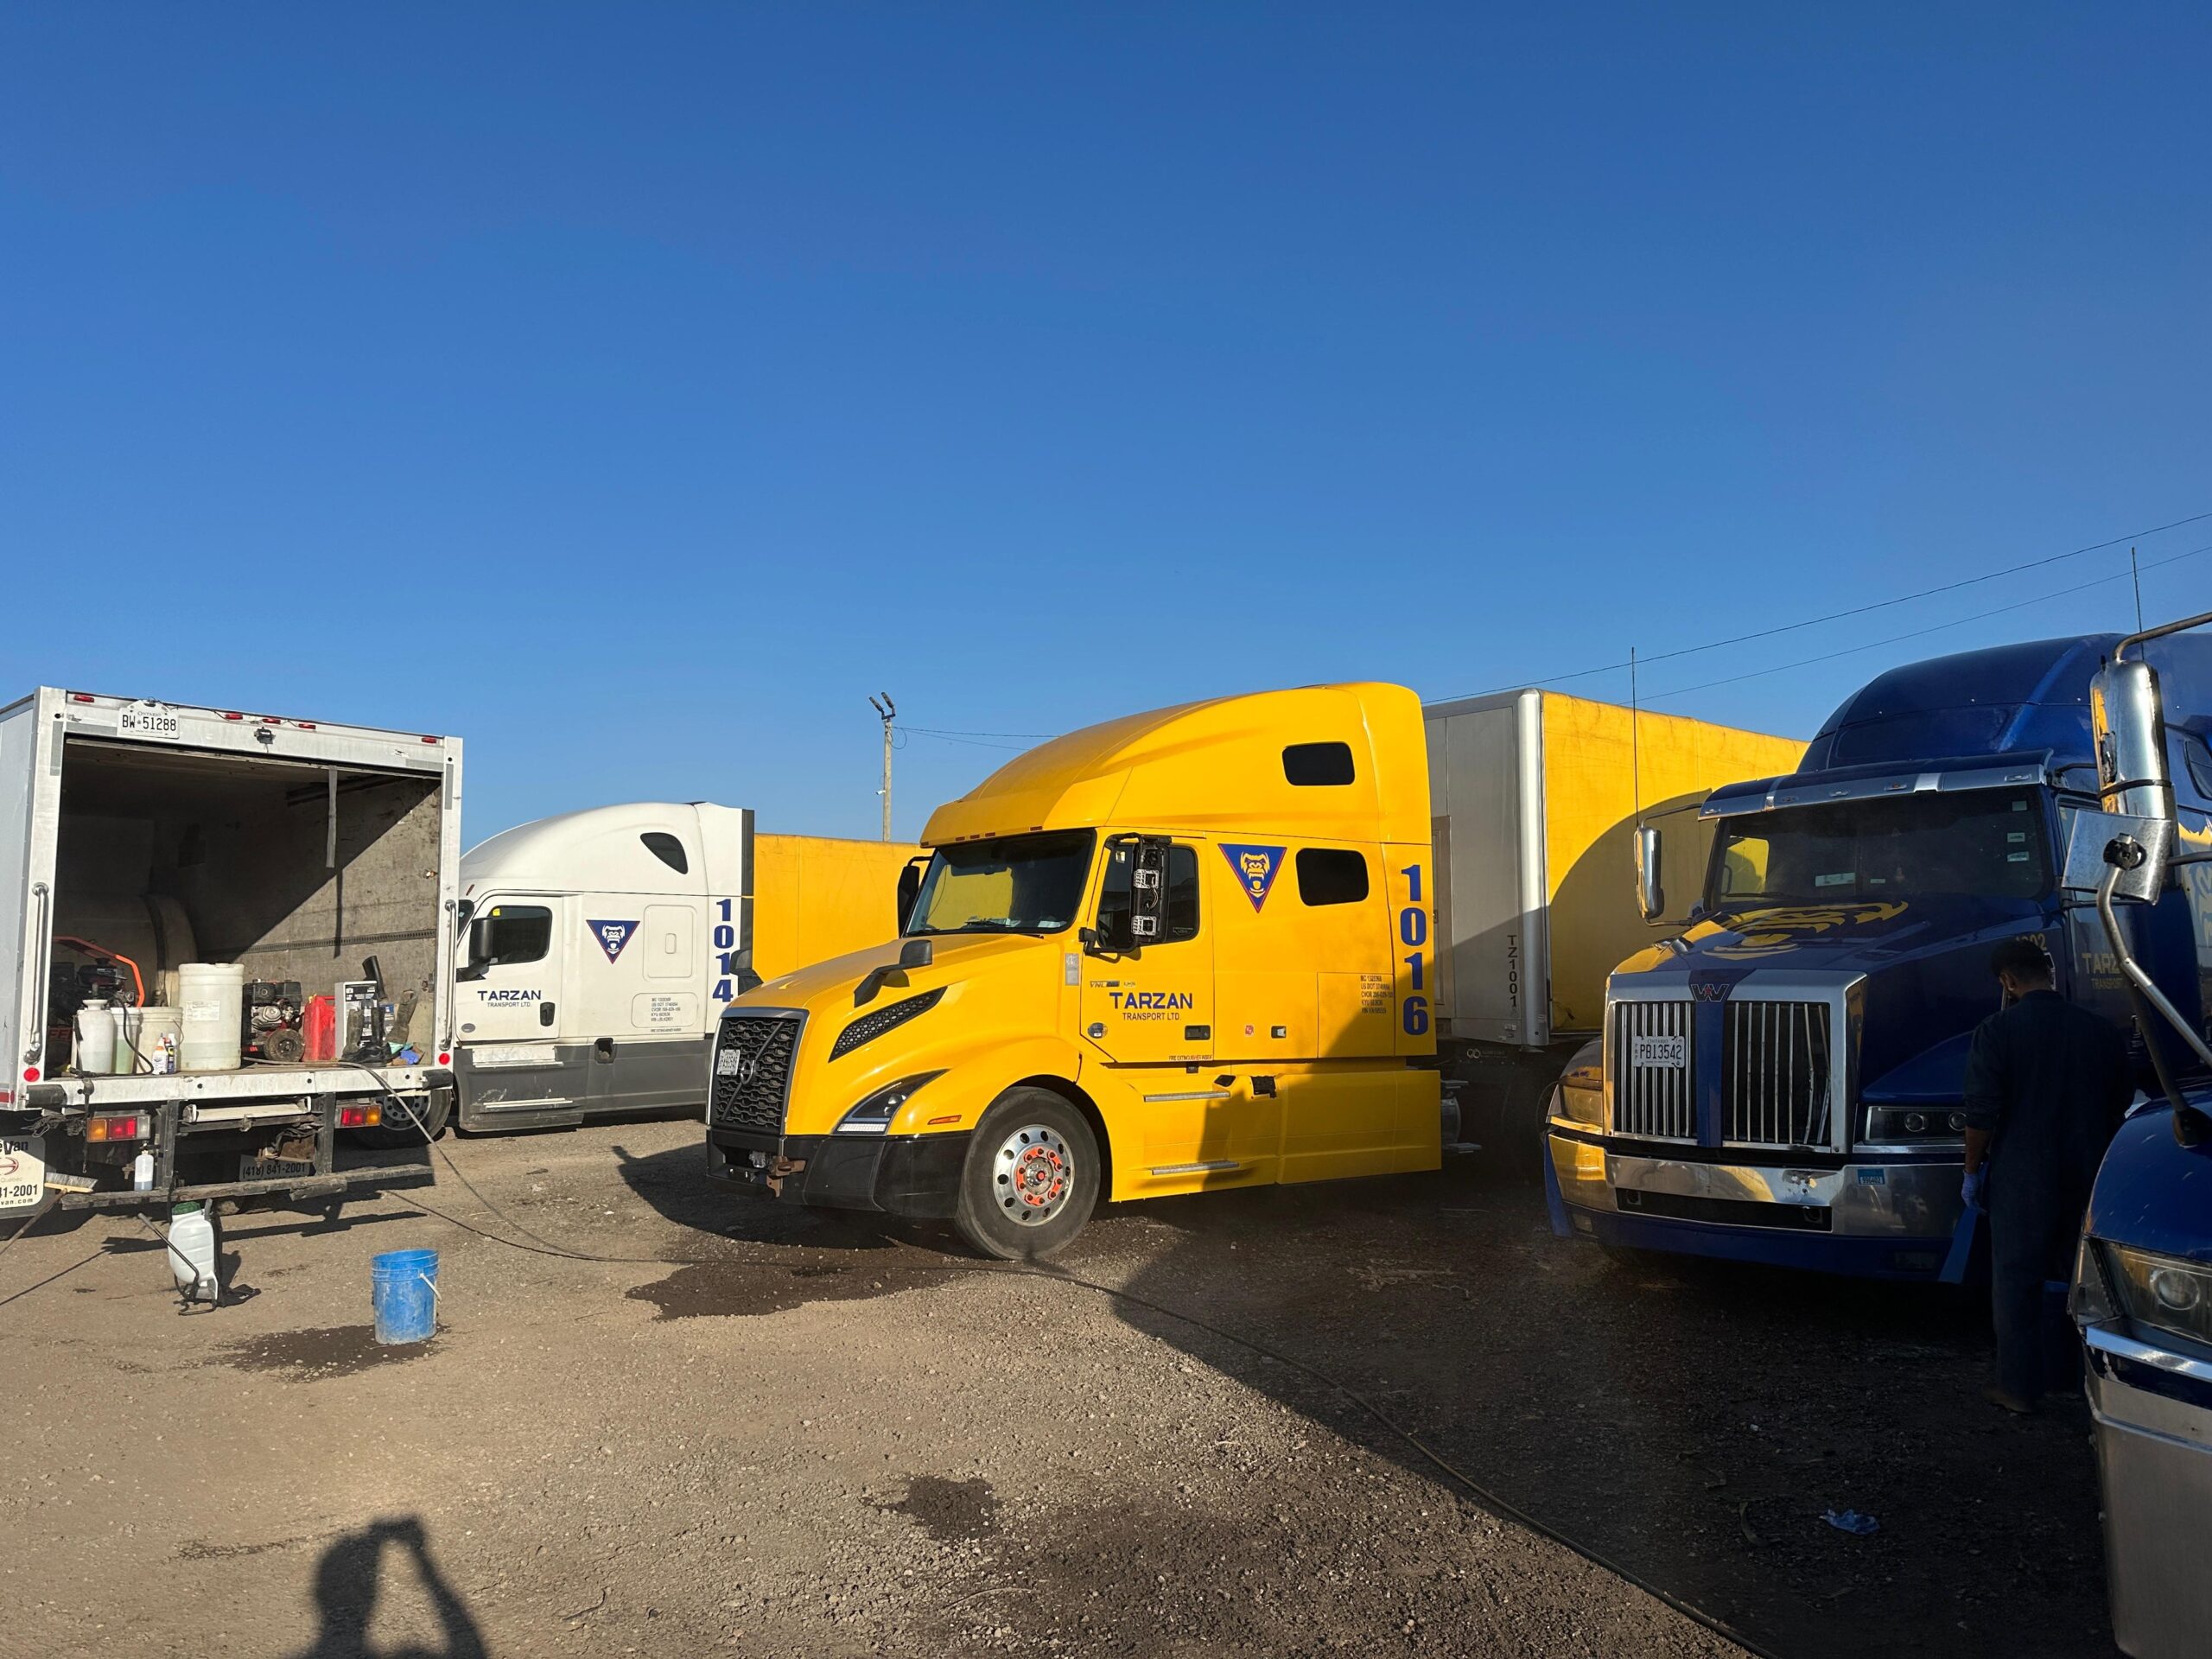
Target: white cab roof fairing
{"points": [[601, 849]]}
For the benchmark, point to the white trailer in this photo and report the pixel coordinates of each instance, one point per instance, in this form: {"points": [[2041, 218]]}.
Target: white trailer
{"points": [[142, 836], [600, 948]]}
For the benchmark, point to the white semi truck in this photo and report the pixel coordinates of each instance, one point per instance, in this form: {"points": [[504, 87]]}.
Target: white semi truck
{"points": [[229, 940], [599, 947]]}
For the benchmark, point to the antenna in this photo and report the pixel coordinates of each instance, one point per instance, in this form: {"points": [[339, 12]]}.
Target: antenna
{"points": [[887, 711]]}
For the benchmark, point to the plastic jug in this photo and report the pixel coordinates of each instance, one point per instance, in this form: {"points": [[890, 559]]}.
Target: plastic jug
{"points": [[94, 1054], [211, 997], [191, 1253]]}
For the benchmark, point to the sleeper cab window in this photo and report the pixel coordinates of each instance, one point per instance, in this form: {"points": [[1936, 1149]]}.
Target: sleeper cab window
{"points": [[1182, 920], [667, 849], [1331, 875], [1314, 766], [515, 933]]}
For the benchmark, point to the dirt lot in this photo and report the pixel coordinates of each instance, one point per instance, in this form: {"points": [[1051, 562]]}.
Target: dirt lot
{"points": [[830, 1441]]}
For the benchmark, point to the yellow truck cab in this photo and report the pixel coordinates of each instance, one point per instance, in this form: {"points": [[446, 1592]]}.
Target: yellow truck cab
{"points": [[1180, 950]]}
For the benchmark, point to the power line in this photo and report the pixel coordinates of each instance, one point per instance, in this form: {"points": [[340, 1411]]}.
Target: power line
{"points": [[1915, 634], [966, 742], [936, 731], [1855, 610]]}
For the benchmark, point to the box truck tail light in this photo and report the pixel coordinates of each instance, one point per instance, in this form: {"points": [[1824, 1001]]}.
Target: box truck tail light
{"points": [[116, 1126], [445, 1059], [80, 696], [30, 1074], [360, 1117], [227, 714]]}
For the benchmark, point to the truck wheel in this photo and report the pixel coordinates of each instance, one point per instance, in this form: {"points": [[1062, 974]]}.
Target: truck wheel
{"points": [[399, 1130], [1031, 1178]]}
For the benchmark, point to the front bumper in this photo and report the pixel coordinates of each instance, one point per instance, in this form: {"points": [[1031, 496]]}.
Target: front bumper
{"points": [[914, 1175], [1882, 1219], [2154, 1462]]}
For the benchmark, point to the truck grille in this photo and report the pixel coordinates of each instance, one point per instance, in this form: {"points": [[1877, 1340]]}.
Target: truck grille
{"points": [[753, 1095], [1776, 1059], [1654, 1069]]}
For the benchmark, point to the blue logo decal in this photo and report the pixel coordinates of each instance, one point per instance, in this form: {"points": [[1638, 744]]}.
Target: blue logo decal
{"points": [[611, 936], [1255, 867]]}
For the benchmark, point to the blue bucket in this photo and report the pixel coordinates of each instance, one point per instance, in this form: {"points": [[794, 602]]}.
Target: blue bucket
{"points": [[405, 1290]]}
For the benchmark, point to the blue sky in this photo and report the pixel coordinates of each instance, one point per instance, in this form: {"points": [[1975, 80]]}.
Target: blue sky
{"points": [[632, 389]]}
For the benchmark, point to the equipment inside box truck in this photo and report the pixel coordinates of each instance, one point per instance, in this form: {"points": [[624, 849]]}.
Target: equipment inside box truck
{"points": [[297, 873], [233, 943]]}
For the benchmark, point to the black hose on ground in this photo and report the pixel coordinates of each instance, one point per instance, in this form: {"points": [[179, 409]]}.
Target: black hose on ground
{"points": [[1498, 1507]]}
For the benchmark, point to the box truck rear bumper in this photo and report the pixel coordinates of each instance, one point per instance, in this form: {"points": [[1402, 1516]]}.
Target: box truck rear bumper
{"points": [[1879, 1220], [914, 1175]]}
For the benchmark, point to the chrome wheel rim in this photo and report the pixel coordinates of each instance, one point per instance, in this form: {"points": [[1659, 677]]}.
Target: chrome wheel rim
{"points": [[1033, 1175]]}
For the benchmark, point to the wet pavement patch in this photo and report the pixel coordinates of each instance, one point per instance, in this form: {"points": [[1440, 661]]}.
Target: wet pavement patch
{"points": [[954, 1512], [706, 1290], [310, 1355]]}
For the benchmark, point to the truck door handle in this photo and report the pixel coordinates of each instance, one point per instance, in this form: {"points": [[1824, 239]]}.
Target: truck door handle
{"points": [[545, 1013], [35, 1050]]}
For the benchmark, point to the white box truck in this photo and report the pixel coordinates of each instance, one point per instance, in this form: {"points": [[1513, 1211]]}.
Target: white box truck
{"points": [[232, 940], [600, 948]]}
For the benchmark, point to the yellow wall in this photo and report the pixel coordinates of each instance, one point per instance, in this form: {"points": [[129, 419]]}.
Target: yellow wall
{"points": [[1590, 801], [814, 897]]}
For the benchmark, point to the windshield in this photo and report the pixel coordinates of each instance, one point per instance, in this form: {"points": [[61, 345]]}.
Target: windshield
{"points": [[1018, 883], [1986, 843]]}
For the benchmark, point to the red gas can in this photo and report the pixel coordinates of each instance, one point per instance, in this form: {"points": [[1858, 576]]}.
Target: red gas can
{"points": [[318, 1029]]}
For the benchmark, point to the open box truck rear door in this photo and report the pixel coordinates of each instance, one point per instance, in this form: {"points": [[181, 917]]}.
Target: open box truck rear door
{"points": [[30, 780]]}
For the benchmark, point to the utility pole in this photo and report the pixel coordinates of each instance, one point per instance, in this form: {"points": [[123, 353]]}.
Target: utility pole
{"points": [[887, 711]]}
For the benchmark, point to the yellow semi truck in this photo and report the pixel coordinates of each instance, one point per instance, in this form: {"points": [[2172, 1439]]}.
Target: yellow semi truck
{"points": [[1183, 950]]}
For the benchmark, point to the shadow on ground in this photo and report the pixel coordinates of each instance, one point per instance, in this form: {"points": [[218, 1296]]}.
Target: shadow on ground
{"points": [[352, 1575], [1692, 1422]]}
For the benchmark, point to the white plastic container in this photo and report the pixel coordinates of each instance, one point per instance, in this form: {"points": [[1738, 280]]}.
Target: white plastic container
{"points": [[94, 1053], [210, 998], [159, 1037], [192, 1246]]}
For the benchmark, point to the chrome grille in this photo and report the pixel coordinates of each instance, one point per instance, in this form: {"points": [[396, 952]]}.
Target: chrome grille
{"points": [[1652, 1099], [1776, 1059], [753, 1095]]}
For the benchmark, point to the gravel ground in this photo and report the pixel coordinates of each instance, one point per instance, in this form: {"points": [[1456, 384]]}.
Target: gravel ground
{"points": [[794, 1434]]}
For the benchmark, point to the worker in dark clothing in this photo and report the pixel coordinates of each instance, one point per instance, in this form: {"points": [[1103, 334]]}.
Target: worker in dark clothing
{"points": [[2047, 1084]]}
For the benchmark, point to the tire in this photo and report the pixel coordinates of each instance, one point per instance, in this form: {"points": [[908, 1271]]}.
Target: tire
{"points": [[398, 1131], [1031, 1178]]}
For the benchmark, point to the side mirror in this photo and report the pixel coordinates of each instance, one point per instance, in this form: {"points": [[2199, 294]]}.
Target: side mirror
{"points": [[910, 889], [1650, 893], [479, 950], [2128, 716]]}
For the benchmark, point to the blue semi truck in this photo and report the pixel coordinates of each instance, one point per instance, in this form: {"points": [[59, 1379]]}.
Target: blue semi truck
{"points": [[1781, 1083]]}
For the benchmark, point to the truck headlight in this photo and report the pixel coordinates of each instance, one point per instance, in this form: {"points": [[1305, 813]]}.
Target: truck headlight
{"points": [[2162, 1292], [873, 1115], [1581, 1096], [1580, 1104]]}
